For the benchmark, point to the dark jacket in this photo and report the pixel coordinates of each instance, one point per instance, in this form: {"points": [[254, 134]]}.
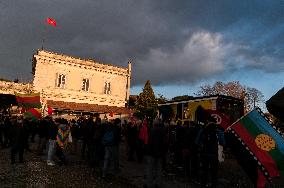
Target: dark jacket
{"points": [[18, 135], [157, 142], [208, 140], [52, 130]]}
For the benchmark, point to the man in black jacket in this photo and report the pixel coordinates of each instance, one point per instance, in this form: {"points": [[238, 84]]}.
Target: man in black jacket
{"points": [[156, 151], [208, 148], [52, 133], [18, 140]]}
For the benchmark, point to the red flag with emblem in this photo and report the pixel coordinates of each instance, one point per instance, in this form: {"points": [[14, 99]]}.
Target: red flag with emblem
{"points": [[221, 119]]}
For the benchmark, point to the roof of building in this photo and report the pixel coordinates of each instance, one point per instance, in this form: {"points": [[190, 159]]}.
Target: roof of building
{"points": [[85, 107], [77, 60], [210, 97]]}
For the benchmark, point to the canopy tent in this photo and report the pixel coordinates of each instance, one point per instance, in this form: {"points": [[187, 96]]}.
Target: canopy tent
{"points": [[275, 105]]}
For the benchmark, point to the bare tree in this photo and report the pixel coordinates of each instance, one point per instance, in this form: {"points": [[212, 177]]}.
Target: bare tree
{"points": [[161, 99], [254, 97]]}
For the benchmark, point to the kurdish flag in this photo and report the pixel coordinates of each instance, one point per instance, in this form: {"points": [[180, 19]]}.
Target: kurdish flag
{"points": [[30, 100], [263, 141], [33, 113]]}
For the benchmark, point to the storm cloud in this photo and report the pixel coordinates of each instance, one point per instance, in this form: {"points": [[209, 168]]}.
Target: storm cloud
{"points": [[169, 42]]}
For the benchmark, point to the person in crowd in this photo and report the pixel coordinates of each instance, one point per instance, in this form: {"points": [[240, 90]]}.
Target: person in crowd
{"points": [[18, 140], [132, 137], [116, 142], [75, 132], [97, 145], [5, 126], [142, 140], [171, 138], [33, 129], [30, 126], [89, 136], [62, 139], [124, 129], [84, 135], [107, 142], [178, 143], [208, 147], [43, 135], [156, 150], [190, 151], [52, 133]]}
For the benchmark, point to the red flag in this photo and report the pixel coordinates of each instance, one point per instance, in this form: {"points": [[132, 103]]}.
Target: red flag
{"points": [[49, 111], [111, 114], [51, 21], [143, 134]]}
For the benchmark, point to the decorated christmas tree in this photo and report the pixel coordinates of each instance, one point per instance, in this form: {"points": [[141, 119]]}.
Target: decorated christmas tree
{"points": [[146, 104]]}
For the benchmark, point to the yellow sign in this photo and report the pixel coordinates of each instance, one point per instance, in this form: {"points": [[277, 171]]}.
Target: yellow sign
{"points": [[265, 142]]}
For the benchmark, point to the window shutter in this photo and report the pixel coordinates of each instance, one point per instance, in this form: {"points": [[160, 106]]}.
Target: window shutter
{"points": [[108, 88], [56, 80], [87, 84]]}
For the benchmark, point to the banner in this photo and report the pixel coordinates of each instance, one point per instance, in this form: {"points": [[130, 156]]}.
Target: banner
{"points": [[30, 100]]}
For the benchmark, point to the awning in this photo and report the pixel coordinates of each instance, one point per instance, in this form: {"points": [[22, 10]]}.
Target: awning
{"points": [[85, 107]]}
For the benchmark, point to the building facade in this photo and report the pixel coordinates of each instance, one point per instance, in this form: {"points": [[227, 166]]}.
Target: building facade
{"points": [[73, 84]]}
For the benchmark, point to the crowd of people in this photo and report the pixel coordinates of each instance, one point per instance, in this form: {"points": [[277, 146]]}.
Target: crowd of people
{"points": [[192, 145]]}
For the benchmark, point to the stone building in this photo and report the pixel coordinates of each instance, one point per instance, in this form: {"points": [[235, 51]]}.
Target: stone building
{"points": [[8, 90], [73, 85]]}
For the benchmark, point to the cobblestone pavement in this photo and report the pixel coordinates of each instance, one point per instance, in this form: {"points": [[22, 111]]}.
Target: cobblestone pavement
{"points": [[34, 172]]}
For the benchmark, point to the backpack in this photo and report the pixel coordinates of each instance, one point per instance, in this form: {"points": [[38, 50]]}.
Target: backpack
{"points": [[107, 138]]}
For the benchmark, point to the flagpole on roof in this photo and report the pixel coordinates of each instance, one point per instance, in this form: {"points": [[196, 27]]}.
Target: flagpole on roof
{"points": [[43, 35], [49, 21]]}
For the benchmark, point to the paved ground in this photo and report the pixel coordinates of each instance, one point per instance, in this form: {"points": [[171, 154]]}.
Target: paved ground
{"points": [[35, 173]]}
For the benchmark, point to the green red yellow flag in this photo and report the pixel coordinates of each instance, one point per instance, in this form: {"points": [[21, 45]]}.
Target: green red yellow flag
{"points": [[33, 113], [263, 141], [30, 100]]}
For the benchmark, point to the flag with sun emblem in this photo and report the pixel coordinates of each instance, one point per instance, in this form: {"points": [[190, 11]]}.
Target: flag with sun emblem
{"points": [[263, 141]]}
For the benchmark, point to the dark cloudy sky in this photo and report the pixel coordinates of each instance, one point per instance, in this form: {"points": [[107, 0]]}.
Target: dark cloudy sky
{"points": [[178, 45]]}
